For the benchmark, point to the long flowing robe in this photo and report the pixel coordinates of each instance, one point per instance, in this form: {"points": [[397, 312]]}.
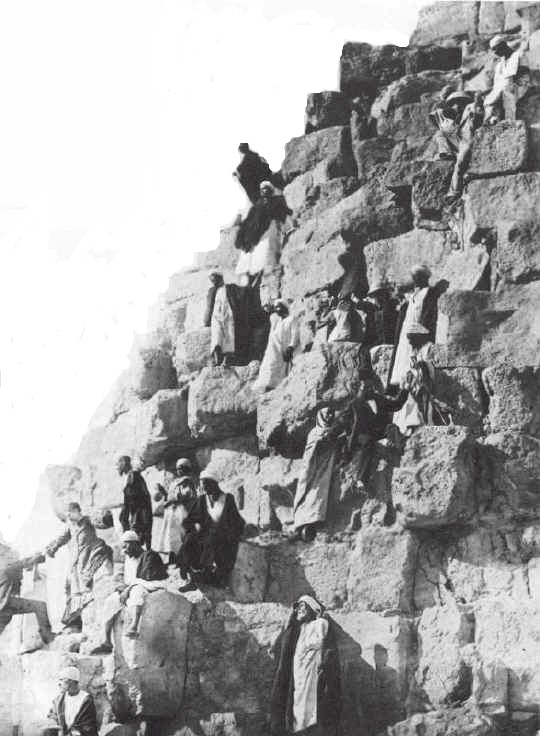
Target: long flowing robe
{"points": [[261, 234], [252, 170], [349, 325], [421, 307], [307, 687], [136, 513], [315, 479], [85, 721], [172, 532], [283, 335], [222, 323], [87, 554]]}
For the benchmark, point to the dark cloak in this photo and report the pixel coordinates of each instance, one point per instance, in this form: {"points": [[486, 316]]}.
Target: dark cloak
{"points": [[138, 505], [258, 220], [85, 721], [328, 686], [252, 171], [239, 301], [151, 567]]}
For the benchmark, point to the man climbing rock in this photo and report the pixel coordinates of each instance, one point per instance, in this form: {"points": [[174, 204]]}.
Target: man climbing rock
{"points": [[73, 710], [136, 513], [283, 341], [144, 573]]}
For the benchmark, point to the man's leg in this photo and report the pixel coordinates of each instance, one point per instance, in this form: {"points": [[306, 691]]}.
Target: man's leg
{"points": [[135, 603], [19, 606], [111, 609]]}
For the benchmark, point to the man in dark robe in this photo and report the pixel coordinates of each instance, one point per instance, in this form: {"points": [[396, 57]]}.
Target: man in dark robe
{"points": [[269, 206], [306, 692], [383, 314], [216, 279], [136, 513], [251, 171], [214, 528], [73, 710]]}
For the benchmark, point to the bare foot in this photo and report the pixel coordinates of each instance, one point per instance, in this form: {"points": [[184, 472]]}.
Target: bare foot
{"points": [[103, 648]]}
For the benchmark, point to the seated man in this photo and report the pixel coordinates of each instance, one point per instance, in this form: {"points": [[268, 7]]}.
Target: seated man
{"points": [[73, 710], [11, 604], [144, 572], [214, 527]]}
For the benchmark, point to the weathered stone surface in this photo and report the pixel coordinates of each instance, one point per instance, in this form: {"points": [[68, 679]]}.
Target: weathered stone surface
{"points": [[151, 366], [363, 68], [407, 161], [429, 188], [507, 632], [146, 676], [321, 251], [369, 154], [382, 570], [319, 569], [514, 398], [309, 198], [462, 390], [517, 257], [182, 306], [408, 89], [221, 402], [434, 484], [326, 375], [406, 122], [249, 577], [192, 350], [528, 110], [514, 471], [513, 197], [331, 146], [222, 258], [467, 719], [442, 674], [120, 399], [276, 482], [392, 259], [325, 110], [499, 149], [508, 322], [64, 484], [440, 21], [491, 18], [443, 58]]}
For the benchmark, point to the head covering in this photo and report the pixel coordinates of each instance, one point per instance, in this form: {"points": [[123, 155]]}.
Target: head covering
{"points": [[379, 285], [183, 462], [459, 97], [208, 475], [266, 185], [417, 329], [323, 419], [243, 147], [69, 673], [315, 606], [496, 41], [421, 268], [130, 536]]}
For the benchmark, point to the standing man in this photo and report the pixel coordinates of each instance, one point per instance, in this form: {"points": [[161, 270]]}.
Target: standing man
{"points": [[306, 692], [283, 341], [251, 171], [136, 513], [501, 101], [144, 572], [73, 710]]}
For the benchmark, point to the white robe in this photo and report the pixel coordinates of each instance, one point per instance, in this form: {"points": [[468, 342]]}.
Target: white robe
{"points": [[404, 351], [306, 663], [315, 480], [409, 416], [222, 323], [172, 531], [265, 255], [283, 334]]}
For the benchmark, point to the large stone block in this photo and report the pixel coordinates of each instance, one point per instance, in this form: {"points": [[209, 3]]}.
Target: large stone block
{"points": [[508, 633], [326, 375], [222, 403], [514, 398], [276, 483], [192, 350], [222, 258], [409, 159], [443, 58], [325, 110], [330, 147], [363, 68], [499, 149], [249, 577], [434, 485], [151, 365], [182, 306], [406, 122], [370, 154], [382, 568], [429, 189], [462, 390], [491, 18], [513, 197], [442, 674], [146, 676], [410, 89], [323, 251], [309, 198], [508, 322], [514, 471], [120, 399], [467, 719], [517, 258], [440, 21]]}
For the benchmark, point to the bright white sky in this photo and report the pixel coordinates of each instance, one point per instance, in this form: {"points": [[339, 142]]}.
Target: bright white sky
{"points": [[119, 128]]}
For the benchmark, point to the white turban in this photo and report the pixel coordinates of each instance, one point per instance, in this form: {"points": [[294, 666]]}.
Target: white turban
{"points": [[130, 536], [496, 41], [69, 673], [208, 475], [312, 603]]}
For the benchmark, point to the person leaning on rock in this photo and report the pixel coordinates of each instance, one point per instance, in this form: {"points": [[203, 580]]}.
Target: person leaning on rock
{"points": [[144, 573], [73, 710], [136, 513]]}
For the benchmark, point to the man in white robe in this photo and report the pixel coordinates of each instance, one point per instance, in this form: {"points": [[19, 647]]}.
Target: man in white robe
{"points": [[283, 343], [222, 327], [504, 91]]}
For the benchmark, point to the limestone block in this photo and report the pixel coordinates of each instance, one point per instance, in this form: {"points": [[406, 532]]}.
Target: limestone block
{"points": [[442, 673], [222, 258], [489, 681], [429, 188], [363, 68], [528, 110], [407, 122], [517, 259], [319, 568], [462, 390], [507, 632], [499, 149], [381, 355], [508, 323], [324, 250], [392, 259], [528, 14], [326, 375], [440, 21], [325, 110], [370, 154], [407, 161], [443, 58], [467, 719], [515, 469], [491, 18], [63, 484], [382, 570], [434, 485], [309, 198], [514, 398], [235, 462], [120, 398], [221, 724], [409, 89], [277, 480], [331, 146], [151, 366], [145, 676], [221, 402], [513, 197], [250, 575], [192, 350]]}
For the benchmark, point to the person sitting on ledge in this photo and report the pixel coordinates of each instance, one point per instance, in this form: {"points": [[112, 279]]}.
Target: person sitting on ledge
{"points": [[136, 513], [73, 710], [144, 572], [11, 604], [214, 528]]}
